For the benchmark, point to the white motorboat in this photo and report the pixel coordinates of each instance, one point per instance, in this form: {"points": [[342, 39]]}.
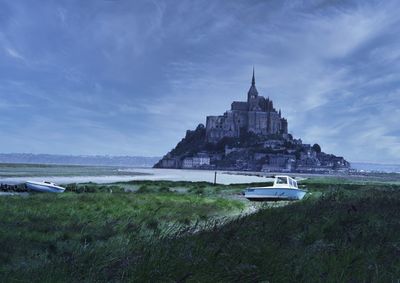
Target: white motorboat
{"points": [[46, 187], [284, 188]]}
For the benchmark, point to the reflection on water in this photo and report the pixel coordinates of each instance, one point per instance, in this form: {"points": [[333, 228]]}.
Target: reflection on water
{"points": [[17, 173]]}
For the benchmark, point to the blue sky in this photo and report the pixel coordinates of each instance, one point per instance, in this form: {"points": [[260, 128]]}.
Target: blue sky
{"points": [[130, 77]]}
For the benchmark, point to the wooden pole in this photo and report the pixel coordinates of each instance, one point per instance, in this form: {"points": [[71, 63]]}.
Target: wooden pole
{"points": [[215, 178]]}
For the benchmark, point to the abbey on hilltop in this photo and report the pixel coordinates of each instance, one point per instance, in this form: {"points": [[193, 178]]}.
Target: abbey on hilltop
{"points": [[252, 135], [256, 115]]}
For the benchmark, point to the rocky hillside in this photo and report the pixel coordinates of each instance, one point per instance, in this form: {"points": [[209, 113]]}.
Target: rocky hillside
{"points": [[278, 153]]}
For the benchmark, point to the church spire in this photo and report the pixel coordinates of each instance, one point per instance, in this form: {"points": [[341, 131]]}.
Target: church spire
{"points": [[253, 80], [253, 93]]}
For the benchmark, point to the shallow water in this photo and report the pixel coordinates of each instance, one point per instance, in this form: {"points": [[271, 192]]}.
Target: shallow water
{"points": [[19, 173], [223, 177]]}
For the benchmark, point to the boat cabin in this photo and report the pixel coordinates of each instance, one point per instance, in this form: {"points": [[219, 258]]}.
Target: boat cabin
{"points": [[285, 181]]}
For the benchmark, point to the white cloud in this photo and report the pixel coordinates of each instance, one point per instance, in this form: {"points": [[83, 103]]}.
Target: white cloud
{"points": [[13, 53]]}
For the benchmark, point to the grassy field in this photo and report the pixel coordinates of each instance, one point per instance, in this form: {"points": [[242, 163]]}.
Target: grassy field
{"points": [[343, 231]]}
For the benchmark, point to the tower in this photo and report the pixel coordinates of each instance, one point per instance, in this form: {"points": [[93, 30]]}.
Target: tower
{"points": [[252, 93]]}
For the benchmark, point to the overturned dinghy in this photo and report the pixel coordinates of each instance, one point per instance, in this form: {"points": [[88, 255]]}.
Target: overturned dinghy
{"points": [[45, 187], [284, 188]]}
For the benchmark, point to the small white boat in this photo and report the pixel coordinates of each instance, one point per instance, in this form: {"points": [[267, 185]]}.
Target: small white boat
{"points": [[284, 188], [46, 187]]}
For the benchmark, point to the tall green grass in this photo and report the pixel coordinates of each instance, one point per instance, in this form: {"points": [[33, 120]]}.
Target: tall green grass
{"points": [[342, 232], [343, 236], [88, 228]]}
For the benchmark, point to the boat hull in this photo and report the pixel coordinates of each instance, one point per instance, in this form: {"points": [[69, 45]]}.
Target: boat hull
{"points": [[44, 188], [274, 194]]}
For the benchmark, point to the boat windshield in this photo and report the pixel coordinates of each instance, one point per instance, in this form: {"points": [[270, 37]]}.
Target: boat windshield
{"points": [[281, 180]]}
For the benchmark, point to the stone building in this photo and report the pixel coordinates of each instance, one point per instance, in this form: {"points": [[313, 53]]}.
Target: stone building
{"points": [[256, 115], [198, 161], [279, 162]]}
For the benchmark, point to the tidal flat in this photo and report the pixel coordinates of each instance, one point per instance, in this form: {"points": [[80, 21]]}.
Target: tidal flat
{"points": [[345, 230], [64, 174]]}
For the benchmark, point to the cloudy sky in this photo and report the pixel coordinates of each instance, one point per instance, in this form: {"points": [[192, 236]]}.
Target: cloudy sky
{"points": [[130, 77]]}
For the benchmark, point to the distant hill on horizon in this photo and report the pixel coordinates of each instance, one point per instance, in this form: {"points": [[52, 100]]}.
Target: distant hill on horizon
{"points": [[94, 160]]}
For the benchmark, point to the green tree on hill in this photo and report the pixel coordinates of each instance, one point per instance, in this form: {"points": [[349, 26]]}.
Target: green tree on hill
{"points": [[316, 148]]}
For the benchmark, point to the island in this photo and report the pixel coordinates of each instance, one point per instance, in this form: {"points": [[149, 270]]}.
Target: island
{"points": [[251, 136]]}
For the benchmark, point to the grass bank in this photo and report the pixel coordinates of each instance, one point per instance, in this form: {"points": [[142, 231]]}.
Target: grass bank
{"points": [[341, 236], [51, 237], [184, 232]]}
